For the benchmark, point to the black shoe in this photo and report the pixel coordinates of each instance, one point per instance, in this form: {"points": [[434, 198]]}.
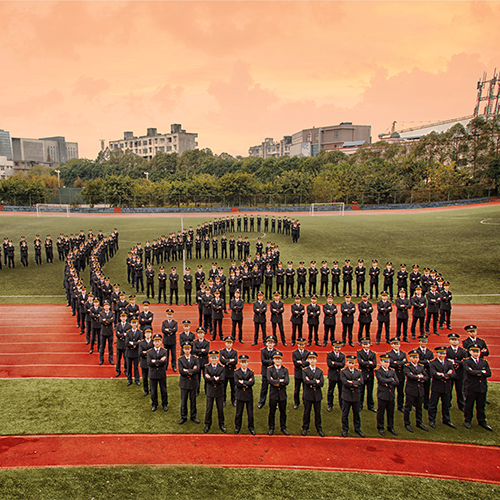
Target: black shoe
{"points": [[110, 361], [137, 382], [101, 362], [467, 425], [223, 429], [91, 351], [195, 420], [344, 434], [381, 432], [118, 374], [325, 344], [129, 383], [154, 408], [175, 369], [304, 432], [321, 433], [270, 432], [408, 428], [373, 410], [295, 407], [317, 344], [254, 343], [182, 421], [87, 343], [422, 427], [252, 432], [487, 402], [378, 342], [351, 344], [165, 408], [237, 430], [406, 340], [145, 393], [284, 344], [285, 431], [309, 342], [432, 424], [206, 429], [293, 343], [329, 408], [449, 424], [393, 432], [241, 341], [259, 406], [360, 433], [484, 425]]}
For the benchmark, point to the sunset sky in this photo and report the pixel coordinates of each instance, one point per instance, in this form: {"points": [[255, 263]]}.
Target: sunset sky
{"points": [[237, 72]]}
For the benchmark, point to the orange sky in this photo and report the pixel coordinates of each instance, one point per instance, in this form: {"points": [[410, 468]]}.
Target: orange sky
{"points": [[237, 72]]}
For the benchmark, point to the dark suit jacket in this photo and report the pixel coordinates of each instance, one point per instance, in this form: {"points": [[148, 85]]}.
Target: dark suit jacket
{"points": [[296, 357], [298, 312], [277, 310], [266, 358], [259, 312], [236, 307], [144, 348], [277, 389], [215, 386], [476, 380], [478, 343], [419, 305], [244, 391], [132, 340], [335, 364], [169, 330], [415, 385], [457, 359], [313, 313], [121, 332], [188, 371], [398, 362], [365, 312], [225, 358], [387, 381], [440, 383], [313, 382], [351, 383], [366, 367], [384, 308], [107, 320], [329, 312], [157, 370], [348, 310]]}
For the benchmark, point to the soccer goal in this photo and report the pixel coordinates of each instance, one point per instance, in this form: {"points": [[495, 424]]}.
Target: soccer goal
{"points": [[52, 208], [333, 208]]}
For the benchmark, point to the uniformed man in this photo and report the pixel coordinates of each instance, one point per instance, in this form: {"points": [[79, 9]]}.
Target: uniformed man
{"points": [[277, 309], [387, 381], [132, 340], [157, 362], [301, 278], [425, 357], [217, 305], [266, 358], [419, 303], [347, 309], [186, 335], [169, 330], [214, 376], [145, 345], [188, 286], [228, 358], [441, 373], [367, 361], [106, 319], [374, 273], [290, 280], [259, 318], [162, 285], [145, 316], [313, 314], [121, 330], [365, 317], [299, 358], [244, 380], [477, 372], [313, 274], [398, 362], [474, 340], [336, 362], [347, 271], [384, 308], [278, 381], [360, 273], [403, 305], [414, 391], [189, 368], [329, 313], [313, 394], [352, 380], [335, 271], [237, 305], [388, 274], [201, 348], [445, 306], [433, 303], [297, 318], [456, 355]]}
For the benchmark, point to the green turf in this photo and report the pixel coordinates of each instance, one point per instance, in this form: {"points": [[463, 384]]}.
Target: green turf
{"points": [[192, 483], [455, 242], [62, 406]]}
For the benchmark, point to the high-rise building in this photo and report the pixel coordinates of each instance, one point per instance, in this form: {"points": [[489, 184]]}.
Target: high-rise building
{"points": [[177, 141], [46, 150], [5, 144]]}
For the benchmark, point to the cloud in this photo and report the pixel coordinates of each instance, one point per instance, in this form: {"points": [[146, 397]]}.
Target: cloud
{"points": [[90, 87], [167, 98]]}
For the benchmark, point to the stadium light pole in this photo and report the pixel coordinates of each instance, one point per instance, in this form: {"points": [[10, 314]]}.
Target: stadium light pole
{"points": [[58, 178]]}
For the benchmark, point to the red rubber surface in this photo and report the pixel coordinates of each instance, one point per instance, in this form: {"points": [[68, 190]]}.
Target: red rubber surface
{"points": [[404, 457]]}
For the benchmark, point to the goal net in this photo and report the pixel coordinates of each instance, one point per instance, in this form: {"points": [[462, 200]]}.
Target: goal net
{"points": [[52, 208], [333, 208]]}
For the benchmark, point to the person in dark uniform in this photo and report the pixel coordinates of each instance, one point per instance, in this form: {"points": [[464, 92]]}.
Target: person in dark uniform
{"points": [[329, 313], [186, 335], [214, 376], [297, 318], [237, 305], [277, 309], [188, 286], [419, 303], [313, 274], [201, 348], [324, 272], [301, 278], [121, 330], [228, 358], [244, 380], [157, 362], [150, 281], [402, 279], [106, 319], [403, 305], [365, 317], [335, 361], [425, 357], [313, 394], [335, 271], [189, 369], [374, 273], [474, 340], [414, 391], [347, 271], [433, 303], [278, 380], [367, 361], [169, 330], [347, 309], [477, 371], [259, 318], [414, 277], [217, 305], [49, 249], [139, 275], [206, 305], [441, 373], [132, 340], [445, 306], [360, 273], [266, 358], [313, 314], [145, 345], [384, 309], [145, 316], [388, 274], [351, 380], [299, 358], [95, 315], [398, 362], [387, 381], [280, 278], [290, 280], [173, 278], [456, 355], [162, 285]]}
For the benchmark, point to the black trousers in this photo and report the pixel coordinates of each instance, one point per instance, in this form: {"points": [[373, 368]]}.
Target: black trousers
{"points": [[434, 317], [296, 331], [171, 350], [191, 394], [109, 341], [414, 322], [346, 408], [347, 287], [132, 365], [289, 288], [150, 289], [331, 390], [385, 407], [237, 324], [238, 419], [445, 406], [263, 391], [400, 389], [217, 322], [329, 333], [273, 404], [445, 317], [303, 286], [282, 332], [368, 386], [479, 398], [381, 325], [312, 288], [145, 379], [459, 389], [323, 289], [257, 327], [402, 323], [347, 330], [363, 327], [120, 353], [174, 292], [187, 297], [296, 393], [229, 381], [210, 407], [162, 290], [313, 329], [360, 288], [306, 419], [162, 382], [410, 402], [373, 290]]}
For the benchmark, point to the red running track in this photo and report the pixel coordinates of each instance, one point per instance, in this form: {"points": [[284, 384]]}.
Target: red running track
{"points": [[372, 455], [56, 349]]}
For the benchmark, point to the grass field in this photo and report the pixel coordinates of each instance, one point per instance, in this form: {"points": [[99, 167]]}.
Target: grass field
{"points": [[192, 483], [61, 406], [461, 244]]}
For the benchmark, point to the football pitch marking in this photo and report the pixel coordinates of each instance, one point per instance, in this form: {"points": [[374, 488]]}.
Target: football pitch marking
{"points": [[485, 221]]}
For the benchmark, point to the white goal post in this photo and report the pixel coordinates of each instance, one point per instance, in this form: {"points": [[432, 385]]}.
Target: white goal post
{"points": [[52, 208], [333, 208]]}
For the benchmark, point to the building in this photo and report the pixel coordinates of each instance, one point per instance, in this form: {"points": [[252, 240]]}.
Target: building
{"points": [[48, 150], [309, 142], [271, 148], [177, 141], [6, 167], [5, 144]]}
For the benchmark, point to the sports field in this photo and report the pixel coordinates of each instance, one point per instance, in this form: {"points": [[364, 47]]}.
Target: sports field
{"points": [[461, 243]]}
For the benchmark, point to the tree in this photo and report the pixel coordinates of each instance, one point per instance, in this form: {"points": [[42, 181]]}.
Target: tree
{"points": [[93, 192]]}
